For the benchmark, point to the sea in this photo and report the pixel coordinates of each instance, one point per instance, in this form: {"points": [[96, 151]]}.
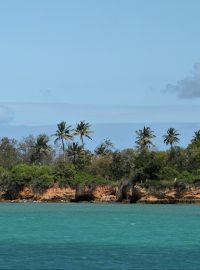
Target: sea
{"points": [[88, 236]]}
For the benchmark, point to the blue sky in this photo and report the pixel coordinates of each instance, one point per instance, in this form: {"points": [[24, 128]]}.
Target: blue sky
{"points": [[108, 61]]}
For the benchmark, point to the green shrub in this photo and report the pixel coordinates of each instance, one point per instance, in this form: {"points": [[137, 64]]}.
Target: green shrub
{"points": [[9, 187], [158, 184], [43, 170], [89, 179], [23, 173], [3, 173], [64, 173], [168, 173], [188, 177], [43, 182]]}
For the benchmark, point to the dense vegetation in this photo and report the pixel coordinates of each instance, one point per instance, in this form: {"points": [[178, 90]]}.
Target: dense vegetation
{"points": [[37, 163]]}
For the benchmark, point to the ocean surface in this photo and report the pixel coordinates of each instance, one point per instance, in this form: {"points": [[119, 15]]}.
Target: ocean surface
{"points": [[99, 236]]}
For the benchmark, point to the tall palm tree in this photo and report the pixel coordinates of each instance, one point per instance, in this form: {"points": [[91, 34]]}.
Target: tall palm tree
{"points": [[83, 130], [196, 138], [172, 137], [144, 138], [63, 133], [74, 152]]}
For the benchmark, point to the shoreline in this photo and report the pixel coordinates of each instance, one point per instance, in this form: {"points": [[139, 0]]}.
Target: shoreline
{"points": [[124, 192], [161, 201]]}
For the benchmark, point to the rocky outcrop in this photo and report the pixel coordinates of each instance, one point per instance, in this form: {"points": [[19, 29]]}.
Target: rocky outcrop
{"points": [[84, 194], [102, 193], [56, 193], [105, 193], [124, 191], [180, 193], [52, 194]]}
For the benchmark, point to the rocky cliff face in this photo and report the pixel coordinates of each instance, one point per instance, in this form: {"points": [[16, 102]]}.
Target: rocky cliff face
{"points": [[79, 194], [177, 194], [123, 192]]}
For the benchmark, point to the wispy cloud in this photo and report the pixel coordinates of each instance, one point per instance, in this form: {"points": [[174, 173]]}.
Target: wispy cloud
{"points": [[6, 114], [46, 92], [188, 87], [33, 114]]}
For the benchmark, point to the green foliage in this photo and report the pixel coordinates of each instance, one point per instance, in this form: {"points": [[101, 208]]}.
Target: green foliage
{"points": [[64, 173], [168, 173], [188, 177], [75, 153], [63, 133], [83, 130], [104, 148], [88, 179], [172, 137], [84, 161], [42, 152], [4, 179], [41, 183], [144, 138], [100, 165], [31, 162], [3, 173], [177, 158], [193, 156], [8, 152], [147, 166], [162, 184], [9, 187], [26, 149], [119, 167], [32, 175], [23, 174]]}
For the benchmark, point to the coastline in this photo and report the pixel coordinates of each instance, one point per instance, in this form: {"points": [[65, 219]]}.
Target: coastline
{"points": [[125, 192]]}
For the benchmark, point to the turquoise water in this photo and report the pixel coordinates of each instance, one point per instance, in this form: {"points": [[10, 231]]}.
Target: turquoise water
{"points": [[99, 236]]}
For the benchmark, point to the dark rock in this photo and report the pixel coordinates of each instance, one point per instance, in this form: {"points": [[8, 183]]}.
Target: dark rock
{"points": [[124, 191], [180, 187], [84, 193]]}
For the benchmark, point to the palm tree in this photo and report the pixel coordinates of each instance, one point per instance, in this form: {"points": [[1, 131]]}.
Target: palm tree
{"points": [[74, 152], [41, 148], [104, 148], [144, 138], [172, 137], [196, 138], [63, 133], [83, 130]]}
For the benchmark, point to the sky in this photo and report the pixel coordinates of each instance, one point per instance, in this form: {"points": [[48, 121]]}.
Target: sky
{"points": [[107, 62]]}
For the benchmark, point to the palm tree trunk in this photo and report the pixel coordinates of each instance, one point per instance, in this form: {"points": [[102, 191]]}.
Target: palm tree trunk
{"points": [[74, 159], [83, 149], [82, 142], [63, 147], [171, 146]]}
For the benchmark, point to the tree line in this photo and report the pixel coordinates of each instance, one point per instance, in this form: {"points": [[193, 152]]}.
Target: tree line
{"points": [[35, 162]]}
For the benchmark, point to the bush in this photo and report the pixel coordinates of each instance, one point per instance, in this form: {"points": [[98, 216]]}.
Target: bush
{"points": [[43, 182], [23, 174], [89, 179], [168, 173], [37, 177], [64, 173], [188, 177], [100, 165], [8, 187], [158, 184]]}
